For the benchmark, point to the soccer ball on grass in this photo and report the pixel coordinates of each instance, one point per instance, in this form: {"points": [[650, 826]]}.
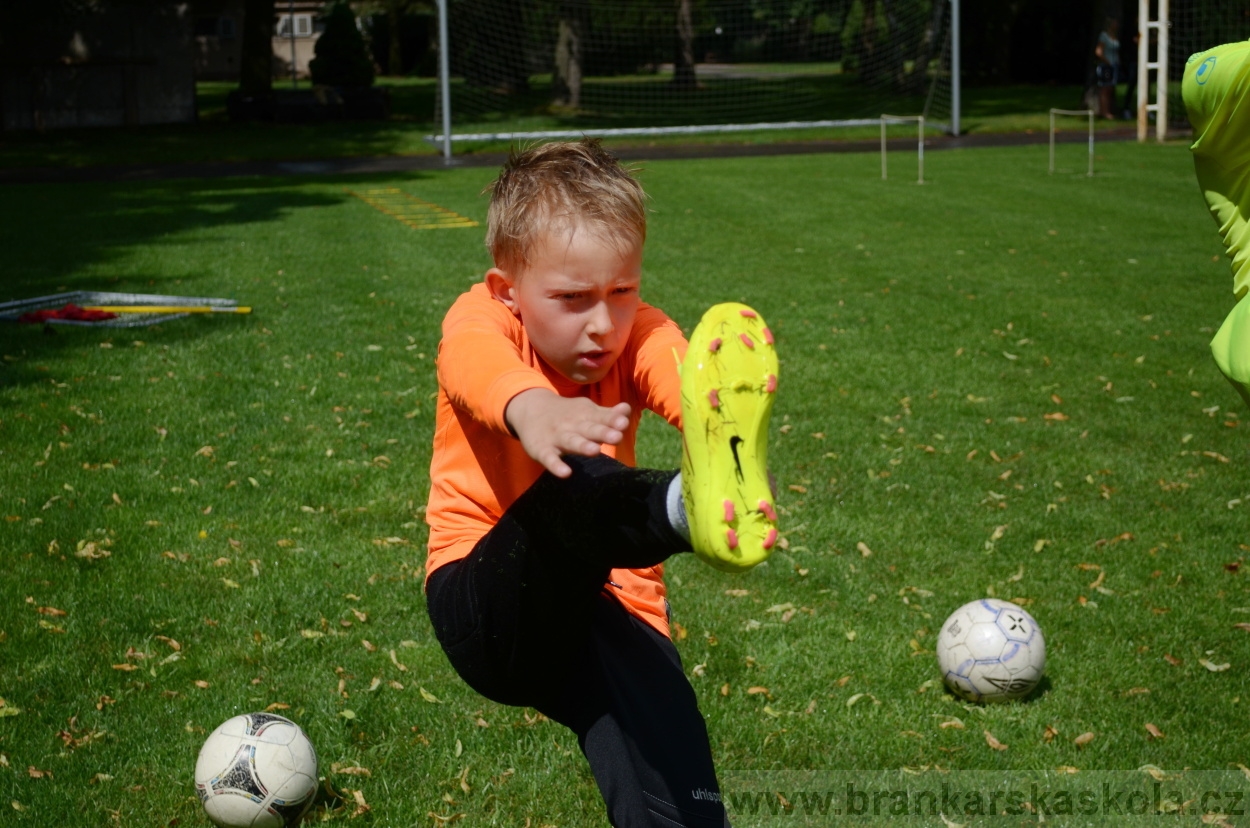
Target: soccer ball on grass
{"points": [[991, 651], [257, 770]]}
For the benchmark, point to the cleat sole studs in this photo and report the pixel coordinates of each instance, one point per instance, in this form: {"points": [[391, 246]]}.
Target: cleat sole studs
{"points": [[771, 385], [747, 341], [714, 345], [768, 336], [767, 509], [771, 539], [731, 537], [714, 398], [729, 511]]}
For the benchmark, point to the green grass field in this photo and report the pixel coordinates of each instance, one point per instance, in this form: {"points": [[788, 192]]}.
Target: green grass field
{"points": [[997, 383]]}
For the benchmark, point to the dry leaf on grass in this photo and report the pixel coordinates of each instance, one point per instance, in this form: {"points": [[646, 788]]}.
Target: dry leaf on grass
{"points": [[1154, 732], [992, 742], [1213, 667], [1084, 739], [351, 770]]}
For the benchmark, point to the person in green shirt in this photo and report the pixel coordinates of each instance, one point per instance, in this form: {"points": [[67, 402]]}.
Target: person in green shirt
{"points": [[1216, 90]]}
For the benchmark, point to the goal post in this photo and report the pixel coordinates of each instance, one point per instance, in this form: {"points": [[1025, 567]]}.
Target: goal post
{"points": [[1084, 113], [905, 119], [515, 70]]}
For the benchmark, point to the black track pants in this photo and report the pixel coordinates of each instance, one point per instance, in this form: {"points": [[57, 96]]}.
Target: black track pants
{"points": [[529, 619]]}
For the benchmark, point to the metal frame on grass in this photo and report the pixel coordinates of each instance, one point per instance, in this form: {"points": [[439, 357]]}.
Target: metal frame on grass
{"points": [[13, 311], [1077, 112], [903, 119]]}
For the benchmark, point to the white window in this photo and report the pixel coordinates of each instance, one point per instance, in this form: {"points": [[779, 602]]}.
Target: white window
{"points": [[303, 25]]}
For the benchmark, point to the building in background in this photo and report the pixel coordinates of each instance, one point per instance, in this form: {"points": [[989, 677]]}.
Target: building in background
{"points": [[218, 45]]}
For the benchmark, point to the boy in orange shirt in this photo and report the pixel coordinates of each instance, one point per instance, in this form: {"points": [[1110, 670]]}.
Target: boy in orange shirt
{"points": [[545, 570]]}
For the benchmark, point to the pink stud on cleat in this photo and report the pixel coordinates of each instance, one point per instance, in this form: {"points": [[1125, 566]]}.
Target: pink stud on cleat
{"points": [[732, 538], [767, 509], [768, 336], [713, 398], [729, 511], [714, 345], [747, 341], [771, 540], [771, 385], [748, 313]]}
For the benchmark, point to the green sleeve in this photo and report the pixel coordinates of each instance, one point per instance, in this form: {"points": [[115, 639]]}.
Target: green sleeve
{"points": [[1216, 91]]}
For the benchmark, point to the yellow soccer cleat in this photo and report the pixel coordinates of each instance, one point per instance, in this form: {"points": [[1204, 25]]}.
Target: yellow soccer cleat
{"points": [[728, 381]]}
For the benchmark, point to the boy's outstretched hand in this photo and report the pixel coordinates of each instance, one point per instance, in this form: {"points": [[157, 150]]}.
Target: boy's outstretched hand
{"points": [[549, 425]]}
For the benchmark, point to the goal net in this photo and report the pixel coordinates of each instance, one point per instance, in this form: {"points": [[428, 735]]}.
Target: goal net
{"points": [[1198, 25], [523, 69]]}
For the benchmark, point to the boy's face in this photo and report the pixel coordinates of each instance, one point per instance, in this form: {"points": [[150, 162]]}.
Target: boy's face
{"points": [[577, 299]]}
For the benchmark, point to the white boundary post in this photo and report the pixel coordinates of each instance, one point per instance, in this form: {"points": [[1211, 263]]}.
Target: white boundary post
{"points": [[444, 77], [1145, 25], [955, 60], [902, 119], [1088, 112]]}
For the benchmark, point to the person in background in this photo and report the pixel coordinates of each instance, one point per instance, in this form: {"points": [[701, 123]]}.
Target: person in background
{"points": [[1107, 69]]}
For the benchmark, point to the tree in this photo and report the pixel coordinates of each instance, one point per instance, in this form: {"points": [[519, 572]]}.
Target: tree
{"points": [[683, 53], [566, 76], [256, 45], [342, 56]]}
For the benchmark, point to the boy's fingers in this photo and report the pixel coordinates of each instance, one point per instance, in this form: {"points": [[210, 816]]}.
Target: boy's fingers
{"points": [[556, 466], [605, 434]]}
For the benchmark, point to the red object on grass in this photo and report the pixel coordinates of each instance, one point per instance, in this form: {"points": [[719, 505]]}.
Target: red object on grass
{"points": [[70, 311]]}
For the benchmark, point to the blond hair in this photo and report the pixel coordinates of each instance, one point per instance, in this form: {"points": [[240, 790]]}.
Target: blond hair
{"points": [[562, 186]]}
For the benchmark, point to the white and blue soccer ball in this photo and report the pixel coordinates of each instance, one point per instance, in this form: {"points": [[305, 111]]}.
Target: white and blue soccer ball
{"points": [[991, 651], [257, 770]]}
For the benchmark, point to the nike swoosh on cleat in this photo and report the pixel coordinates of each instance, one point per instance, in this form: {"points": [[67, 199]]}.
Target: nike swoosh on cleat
{"points": [[733, 446]]}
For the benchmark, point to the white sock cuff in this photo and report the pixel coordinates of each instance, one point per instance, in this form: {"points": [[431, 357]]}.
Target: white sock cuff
{"points": [[677, 508]]}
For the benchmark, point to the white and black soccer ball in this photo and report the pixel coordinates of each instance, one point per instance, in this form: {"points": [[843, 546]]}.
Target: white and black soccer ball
{"points": [[991, 651], [257, 770]]}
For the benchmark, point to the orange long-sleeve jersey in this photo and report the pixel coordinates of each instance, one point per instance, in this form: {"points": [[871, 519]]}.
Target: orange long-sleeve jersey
{"points": [[478, 468]]}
